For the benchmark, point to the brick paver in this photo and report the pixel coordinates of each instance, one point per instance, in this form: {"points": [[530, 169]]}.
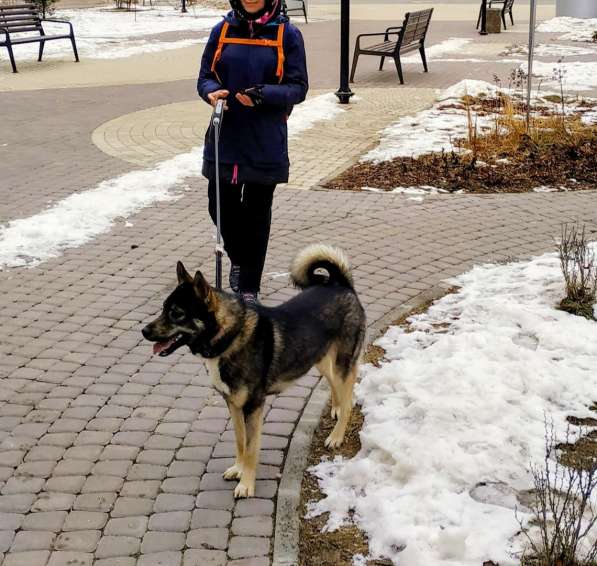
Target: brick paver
{"points": [[114, 457]]}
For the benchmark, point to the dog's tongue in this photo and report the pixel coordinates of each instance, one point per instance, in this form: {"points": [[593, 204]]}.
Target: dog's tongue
{"points": [[161, 346]]}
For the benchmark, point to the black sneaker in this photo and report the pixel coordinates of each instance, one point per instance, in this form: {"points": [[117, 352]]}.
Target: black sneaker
{"points": [[234, 277], [250, 298]]}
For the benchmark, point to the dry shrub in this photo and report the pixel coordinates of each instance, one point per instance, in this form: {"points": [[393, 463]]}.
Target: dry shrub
{"points": [[580, 272], [564, 511], [509, 133]]}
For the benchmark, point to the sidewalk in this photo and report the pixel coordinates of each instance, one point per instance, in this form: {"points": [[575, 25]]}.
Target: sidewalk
{"points": [[113, 457]]}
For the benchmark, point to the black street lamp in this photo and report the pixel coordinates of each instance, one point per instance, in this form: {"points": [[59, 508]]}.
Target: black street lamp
{"points": [[483, 30], [344, 93], [184, 6]]}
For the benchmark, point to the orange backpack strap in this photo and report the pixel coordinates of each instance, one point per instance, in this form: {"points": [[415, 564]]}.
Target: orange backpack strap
{"points": [[218, 52], [280, 46], [277, 44]]}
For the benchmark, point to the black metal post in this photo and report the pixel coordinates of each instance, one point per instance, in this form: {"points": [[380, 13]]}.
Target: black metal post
{"points": [[344, 93], [483, 30], [532, 22], [184, 6]]}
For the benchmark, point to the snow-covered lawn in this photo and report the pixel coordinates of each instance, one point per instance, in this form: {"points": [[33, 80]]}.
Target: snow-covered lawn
{"points": [[437, 128], [80, 217], [431, 130], [455, 414], [573, 29], [576, 75], [110, 34]]}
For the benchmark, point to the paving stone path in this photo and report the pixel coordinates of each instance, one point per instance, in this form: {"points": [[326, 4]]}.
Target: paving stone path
{"points": [[113, 457], [109, 453]]}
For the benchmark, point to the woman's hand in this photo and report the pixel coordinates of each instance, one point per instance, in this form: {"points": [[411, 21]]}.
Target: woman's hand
{"points": [[244, 99], [216, 95]]}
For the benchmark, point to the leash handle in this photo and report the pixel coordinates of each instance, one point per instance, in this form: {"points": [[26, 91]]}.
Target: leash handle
{"points": [[216, 120], [218, 114]]}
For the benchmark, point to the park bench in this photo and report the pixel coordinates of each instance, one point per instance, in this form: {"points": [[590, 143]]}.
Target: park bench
{"points": [[411, 36], [295, 6], [19, 19], [506, 6]]}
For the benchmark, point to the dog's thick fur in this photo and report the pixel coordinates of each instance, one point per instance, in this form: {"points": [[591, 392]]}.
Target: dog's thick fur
{"points": [[251, 352]]}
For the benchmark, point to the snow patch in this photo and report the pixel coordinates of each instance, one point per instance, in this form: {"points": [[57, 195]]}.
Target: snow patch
{"points": [[304, 116], [456, 412], [575, 75], [80, 217], [452, 45], [431, 130], [109, 34], [574, 29]]}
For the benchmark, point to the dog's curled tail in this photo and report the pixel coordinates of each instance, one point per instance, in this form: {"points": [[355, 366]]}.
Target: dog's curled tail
{"points": [[333, 260]]}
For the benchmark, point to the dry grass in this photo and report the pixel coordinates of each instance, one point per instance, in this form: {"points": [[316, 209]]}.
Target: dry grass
{"points": [[556, 150]]}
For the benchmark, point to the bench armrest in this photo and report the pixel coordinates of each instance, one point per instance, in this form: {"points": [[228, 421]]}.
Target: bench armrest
{"points": [[385, 34], [393, 29], [59, 22]]}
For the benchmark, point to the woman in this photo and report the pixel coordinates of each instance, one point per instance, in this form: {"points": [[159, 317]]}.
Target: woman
{"points": [[255, 60]]}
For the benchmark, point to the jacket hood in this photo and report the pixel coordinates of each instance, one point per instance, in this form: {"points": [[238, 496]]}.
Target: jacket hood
{"points": [[233, 19]]}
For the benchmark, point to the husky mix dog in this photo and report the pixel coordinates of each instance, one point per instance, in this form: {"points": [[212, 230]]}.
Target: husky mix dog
{"points": [[251, 352]]}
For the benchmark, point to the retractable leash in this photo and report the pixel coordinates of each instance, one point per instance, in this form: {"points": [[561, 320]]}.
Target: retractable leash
{"points": [[216, 121]]}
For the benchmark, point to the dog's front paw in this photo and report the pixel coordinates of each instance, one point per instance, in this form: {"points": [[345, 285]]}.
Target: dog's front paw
{"points": [[334, 440], [244, 490], [233, 472]]}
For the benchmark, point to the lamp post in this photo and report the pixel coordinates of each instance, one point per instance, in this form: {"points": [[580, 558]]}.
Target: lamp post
{"points": [[344, 93], [483, 30], [184, 6], [532, 22]]}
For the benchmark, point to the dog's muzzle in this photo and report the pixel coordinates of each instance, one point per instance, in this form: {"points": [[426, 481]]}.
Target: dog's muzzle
{"points": [[164, 347]]}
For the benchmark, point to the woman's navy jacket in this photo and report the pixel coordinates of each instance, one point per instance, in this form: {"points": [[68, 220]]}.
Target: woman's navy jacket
{"points": [[253, 140]]}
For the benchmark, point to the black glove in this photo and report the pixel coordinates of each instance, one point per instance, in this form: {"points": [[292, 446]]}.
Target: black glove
{"points": [[255, 93]]}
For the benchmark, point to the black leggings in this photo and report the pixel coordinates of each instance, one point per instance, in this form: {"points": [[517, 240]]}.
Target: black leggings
{"points": [[246, 216]]}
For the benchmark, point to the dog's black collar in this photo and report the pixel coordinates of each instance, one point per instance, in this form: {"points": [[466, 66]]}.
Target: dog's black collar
{"points": [[217, 348]]}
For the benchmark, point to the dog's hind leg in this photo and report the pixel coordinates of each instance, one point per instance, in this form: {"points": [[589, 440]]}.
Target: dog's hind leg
{"points": [[234, 472], [326, 367], [253, 422], [345, 388]]}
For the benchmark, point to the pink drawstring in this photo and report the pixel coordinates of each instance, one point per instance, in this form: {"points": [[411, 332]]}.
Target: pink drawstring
{"points": [[235, 174]]}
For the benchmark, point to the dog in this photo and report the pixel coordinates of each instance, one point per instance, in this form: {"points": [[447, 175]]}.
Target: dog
{"points": [[251, 352]]}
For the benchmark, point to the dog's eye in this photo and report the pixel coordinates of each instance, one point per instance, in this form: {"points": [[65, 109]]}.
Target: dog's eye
{"points": [[176, 314]]}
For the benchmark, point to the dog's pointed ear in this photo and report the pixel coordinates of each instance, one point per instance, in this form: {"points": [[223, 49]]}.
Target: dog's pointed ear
{"points": [[183, 274], [201, 285]]}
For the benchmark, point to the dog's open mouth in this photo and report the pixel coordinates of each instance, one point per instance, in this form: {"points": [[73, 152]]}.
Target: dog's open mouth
{"points": [[167, 347]]}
